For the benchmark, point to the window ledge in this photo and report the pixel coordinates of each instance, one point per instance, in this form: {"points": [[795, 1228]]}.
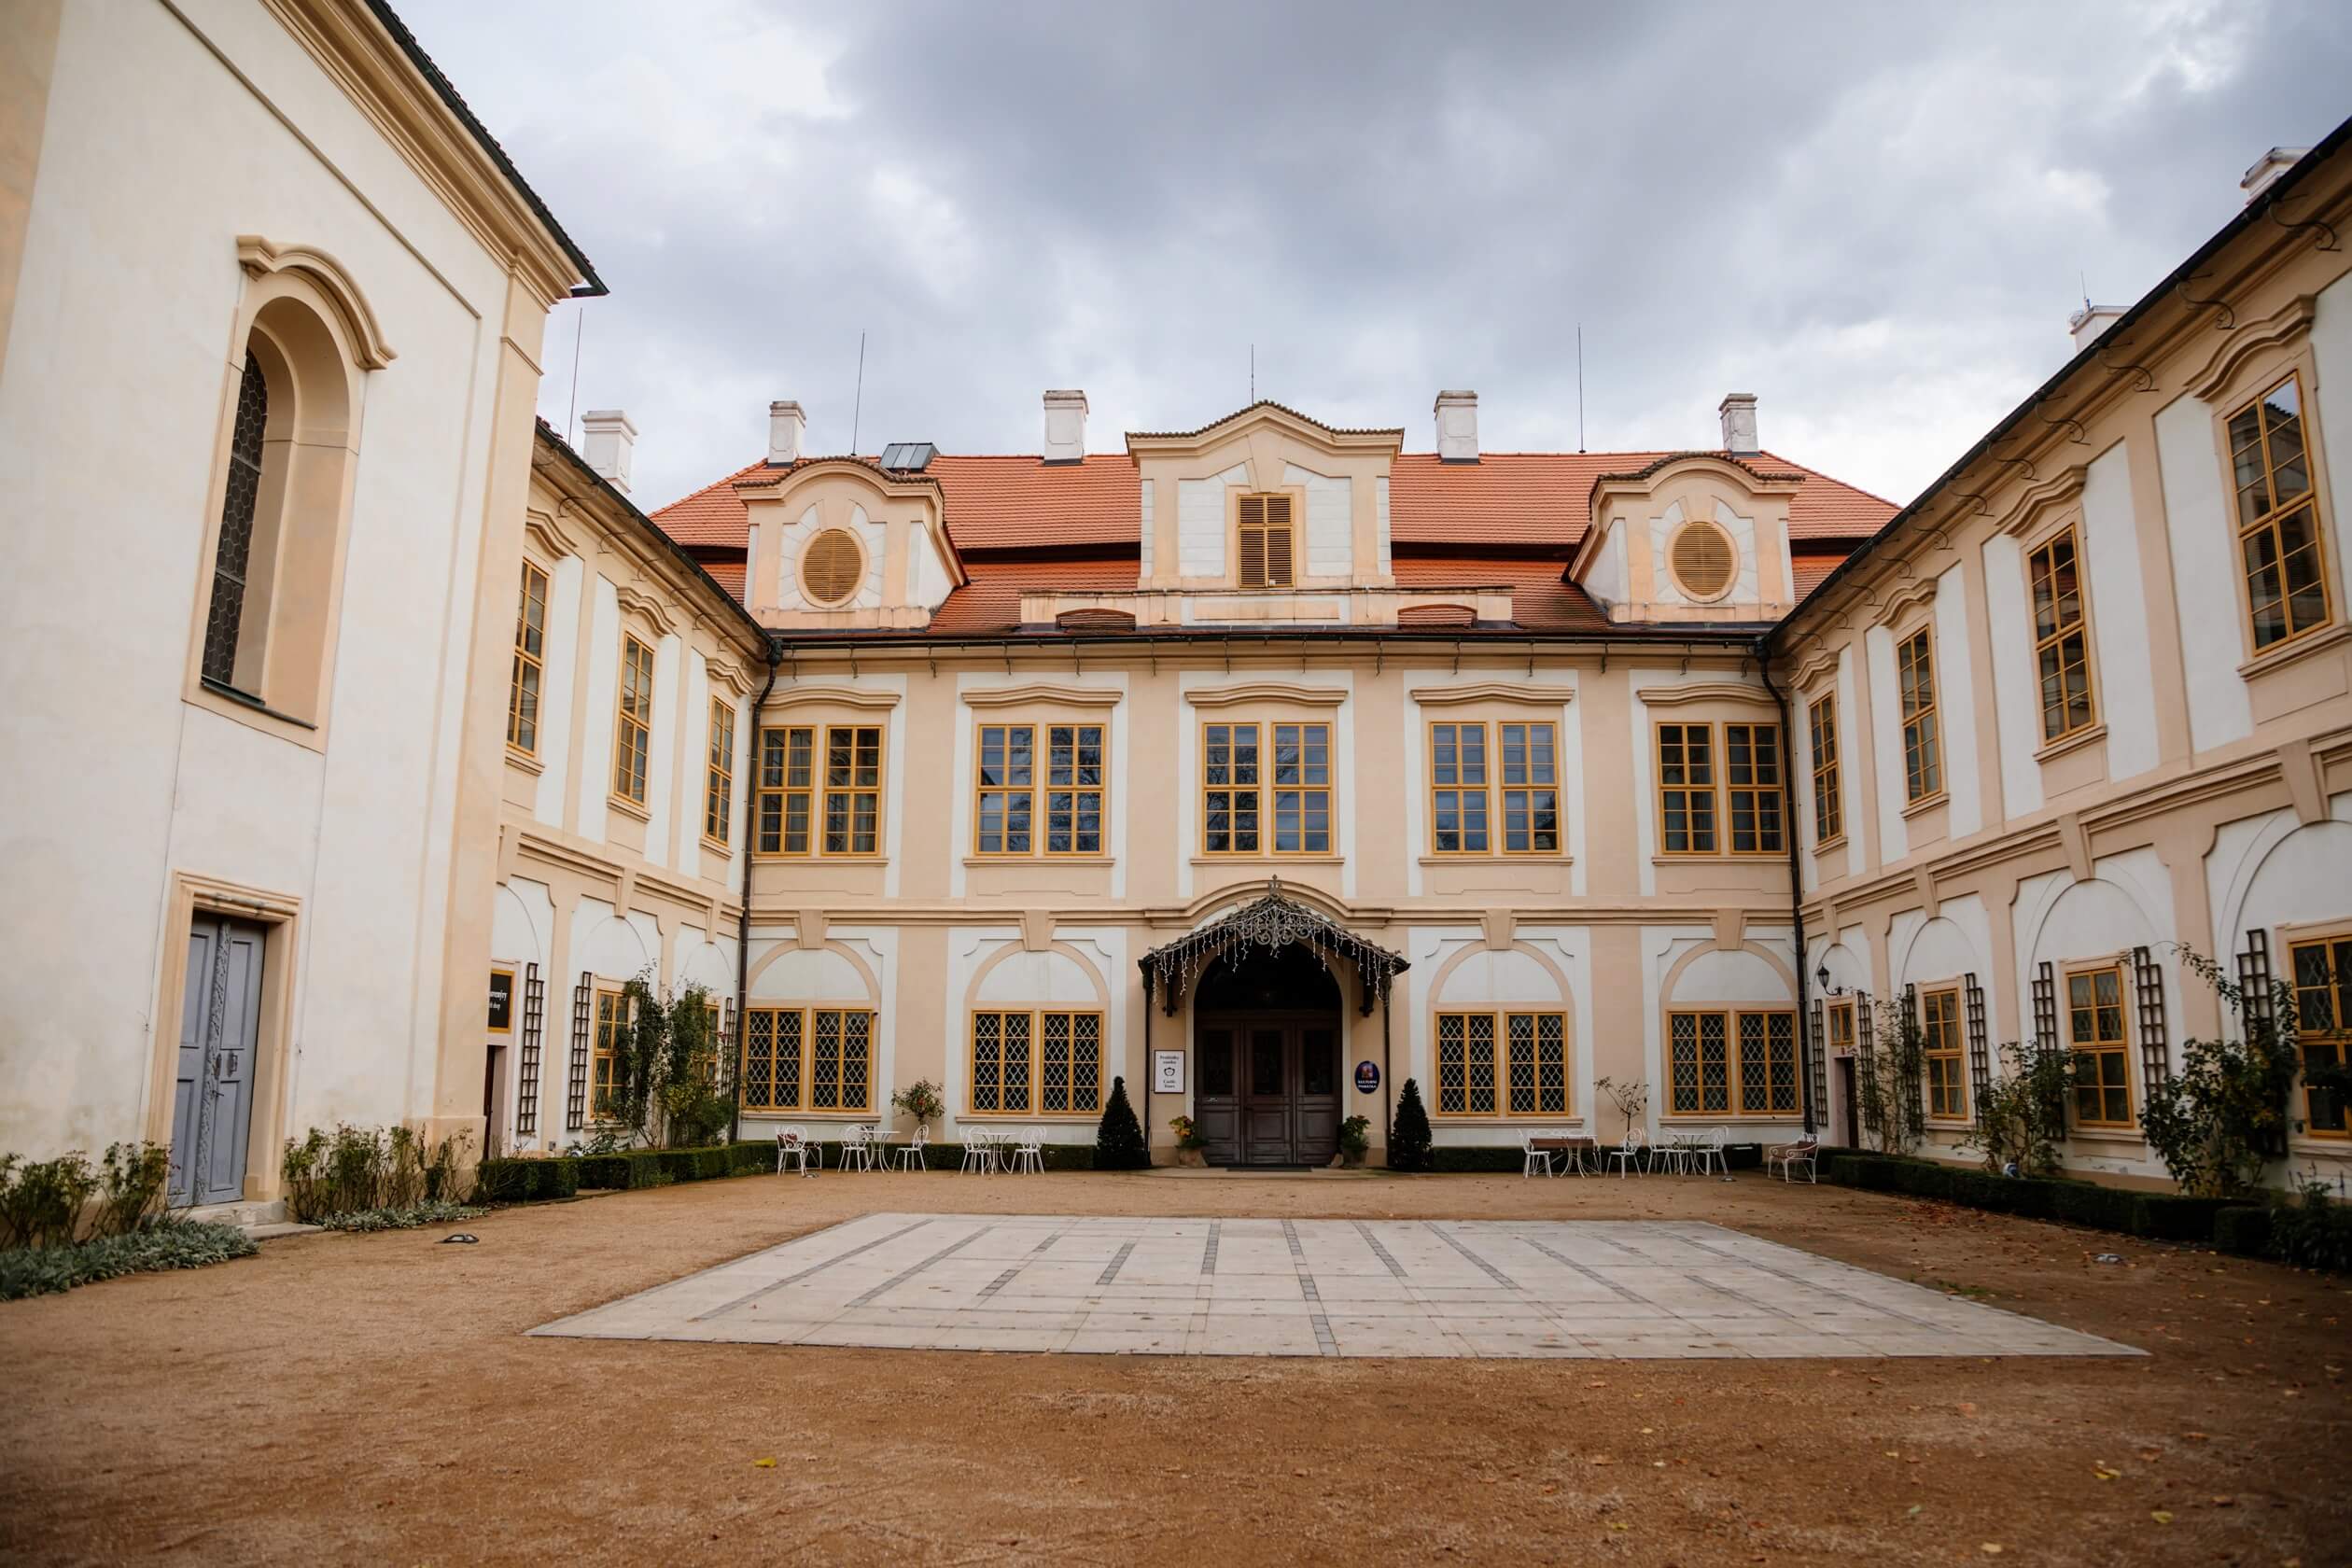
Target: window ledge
{"points": [[524, 761], [1056, 1118], [713, 846], [2295, 650], [1748, 1118], [1537, 1119], [1927, 803], [2088, 735], [977, 861], [247, 699], [2107, 1135], [1823, 845], [628, 807], [1503, 858], [1267, 859], [1725, 857]]}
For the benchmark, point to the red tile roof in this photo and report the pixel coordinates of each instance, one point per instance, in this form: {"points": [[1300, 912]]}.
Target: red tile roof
{"points": [[1539, 498], [990, 599], [1540, 600]]}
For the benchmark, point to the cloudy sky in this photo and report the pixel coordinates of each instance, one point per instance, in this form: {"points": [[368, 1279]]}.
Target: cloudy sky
{"points": [[1876, 216]]}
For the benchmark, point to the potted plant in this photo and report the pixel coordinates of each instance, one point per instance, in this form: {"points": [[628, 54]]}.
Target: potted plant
{"points": [[920, 1100], [1188, 1140], [1355, 1140]]}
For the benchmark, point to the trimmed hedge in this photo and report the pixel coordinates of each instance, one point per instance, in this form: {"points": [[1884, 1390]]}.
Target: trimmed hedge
{"points": [[2157, 1216], [523, 1181], [2170, 1217], [2243, 1229]]}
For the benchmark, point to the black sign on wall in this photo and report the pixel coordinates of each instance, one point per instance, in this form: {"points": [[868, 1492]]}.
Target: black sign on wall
{"points": [[502, 1002]]}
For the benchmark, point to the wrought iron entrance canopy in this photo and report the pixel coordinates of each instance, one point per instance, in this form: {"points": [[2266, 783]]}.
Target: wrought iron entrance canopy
{"points": [[1267, 925]]}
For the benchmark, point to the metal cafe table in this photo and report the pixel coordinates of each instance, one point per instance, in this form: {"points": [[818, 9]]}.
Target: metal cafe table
{"points": [[1575, 1146]]}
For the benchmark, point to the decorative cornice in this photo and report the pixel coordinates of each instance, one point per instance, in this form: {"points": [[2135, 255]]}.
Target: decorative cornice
{"points": [[2281, 329], [663, 616], [2031, 505], [1036, 692], [1267, 691], [1493, 690], [1704, 690], [1904, 598], [260, 257], [540, 530], [833, 696], [727, 673]]}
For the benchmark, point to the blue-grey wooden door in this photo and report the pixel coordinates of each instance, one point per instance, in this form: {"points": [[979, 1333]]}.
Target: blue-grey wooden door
{"points": [[220, 1017]]}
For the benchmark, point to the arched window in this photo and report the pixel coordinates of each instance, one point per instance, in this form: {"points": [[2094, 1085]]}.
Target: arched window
{"points": [[234, 548]]}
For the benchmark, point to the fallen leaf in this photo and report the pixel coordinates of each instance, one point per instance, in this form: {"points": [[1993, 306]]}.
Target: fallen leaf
{"points": [[2161, 1517], [1990, 1549], [2103, 1473], [1602, 1459], [1966, 1408], [2225, 1502], [764, 1463], [2194, 1436], [1893, 1454], [1912, 1512], [1620, 1524]]}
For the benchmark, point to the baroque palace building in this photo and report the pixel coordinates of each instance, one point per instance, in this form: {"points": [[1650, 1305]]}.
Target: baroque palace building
{"points": [[1264, 764]]}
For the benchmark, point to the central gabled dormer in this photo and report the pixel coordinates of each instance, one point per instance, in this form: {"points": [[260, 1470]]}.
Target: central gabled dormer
{"points": [[1264, 502], [844, 543]]}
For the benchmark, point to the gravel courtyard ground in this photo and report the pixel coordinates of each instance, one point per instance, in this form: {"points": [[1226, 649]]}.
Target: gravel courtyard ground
{"points": [[377, 1398]]}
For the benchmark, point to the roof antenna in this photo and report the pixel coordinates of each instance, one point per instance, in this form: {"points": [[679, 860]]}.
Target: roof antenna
{"points": [[857, 406], [1580, 442], [580, 330], [1254, 373]]}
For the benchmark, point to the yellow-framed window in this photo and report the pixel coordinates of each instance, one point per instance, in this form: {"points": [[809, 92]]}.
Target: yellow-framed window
{"points": [[1768, 1063], [1685, 790], [633, 720], [1716, 1060], [2062, 636], [809, 1058], [609, 1035], [718, 780], [1458, 788], [772, 1059], [1840, 1018], [1753, 787], [1265, 541], [1229, 786], [1046, 1062], [1946, 1066], [2279, 549], [1922, 748], [2095, 1032], [1531, 788], [1004, 783], [1828, 803], [787, 795], [853, 790], [1506, 1064], [1301, 768], [2322, 971], [1074, 775], [530, 653]]}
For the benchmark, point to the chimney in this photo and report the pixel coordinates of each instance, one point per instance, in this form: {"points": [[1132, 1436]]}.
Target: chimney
{"points": [[1066, 426], [1457, 426], [607, 439], [2267, 168], [787, 427], [1738, 410], [2089, 324]]}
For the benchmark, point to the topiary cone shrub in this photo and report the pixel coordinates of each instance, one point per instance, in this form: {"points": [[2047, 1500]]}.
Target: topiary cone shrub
{"points": [[1119, 1141], [1408, 1137]]}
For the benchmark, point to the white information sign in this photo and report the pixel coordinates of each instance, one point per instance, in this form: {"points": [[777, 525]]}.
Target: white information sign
{"points": [[1167, 1072]]}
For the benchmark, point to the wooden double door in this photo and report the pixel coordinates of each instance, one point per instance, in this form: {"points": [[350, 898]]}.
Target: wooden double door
{"points": [[1266, 1086]]}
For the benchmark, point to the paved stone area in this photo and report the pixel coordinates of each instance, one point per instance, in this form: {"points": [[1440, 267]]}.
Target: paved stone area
{"points": [[1315, 1288]]}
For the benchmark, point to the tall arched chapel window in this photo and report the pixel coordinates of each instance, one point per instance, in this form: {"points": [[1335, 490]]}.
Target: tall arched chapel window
{"points": [[234, 553]]}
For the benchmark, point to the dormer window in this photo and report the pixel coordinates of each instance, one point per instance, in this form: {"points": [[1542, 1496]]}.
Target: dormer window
{"points": [[1703, 560], [1266, 540], [831, 566]]}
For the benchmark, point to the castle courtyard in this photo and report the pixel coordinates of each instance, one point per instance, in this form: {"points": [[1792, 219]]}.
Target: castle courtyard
{"points": [[588, 1383]]}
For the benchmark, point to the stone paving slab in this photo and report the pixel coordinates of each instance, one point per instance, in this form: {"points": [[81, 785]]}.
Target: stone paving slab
{"points": [[1419, 1288]]}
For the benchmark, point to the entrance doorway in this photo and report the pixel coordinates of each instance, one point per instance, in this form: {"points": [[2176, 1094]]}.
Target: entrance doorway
{"points": [[220, 1021], [1847, 1099], [1265, 1038]]}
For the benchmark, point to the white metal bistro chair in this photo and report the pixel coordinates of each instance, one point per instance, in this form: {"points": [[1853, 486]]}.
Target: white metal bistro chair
{"points": [[792, 1147], [857, 1148], [1707, 1154], [1631, 1152], [1785, 1157], [979, 1153], [1029, 1151], [1535, 1158], [911, 1156]]}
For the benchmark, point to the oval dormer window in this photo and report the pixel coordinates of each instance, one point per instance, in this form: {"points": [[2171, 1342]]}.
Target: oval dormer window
{"points": [[1703, 560], [831, 566]]}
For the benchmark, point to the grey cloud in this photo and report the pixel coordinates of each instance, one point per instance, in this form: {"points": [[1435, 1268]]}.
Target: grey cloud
{"points": [[1873, 215]]}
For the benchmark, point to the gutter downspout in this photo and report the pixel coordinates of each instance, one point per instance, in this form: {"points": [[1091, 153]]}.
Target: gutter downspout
{"points": [[1806, 1044], [743, 914]]}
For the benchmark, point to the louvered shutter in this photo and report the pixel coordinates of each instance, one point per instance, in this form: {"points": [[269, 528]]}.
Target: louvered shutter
{"points": [[1264, 539], [1979, 1049], [1915, 1092], [1816, 1052], [2254, 979], [1251, 570], [1280, 571], [2046, 1030], [576, 1090], [526, 1096], [1866, 1046], [2155, 1037]]}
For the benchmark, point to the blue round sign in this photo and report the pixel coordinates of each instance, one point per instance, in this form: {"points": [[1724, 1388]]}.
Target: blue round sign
{"points": [[1367, 1077]]}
